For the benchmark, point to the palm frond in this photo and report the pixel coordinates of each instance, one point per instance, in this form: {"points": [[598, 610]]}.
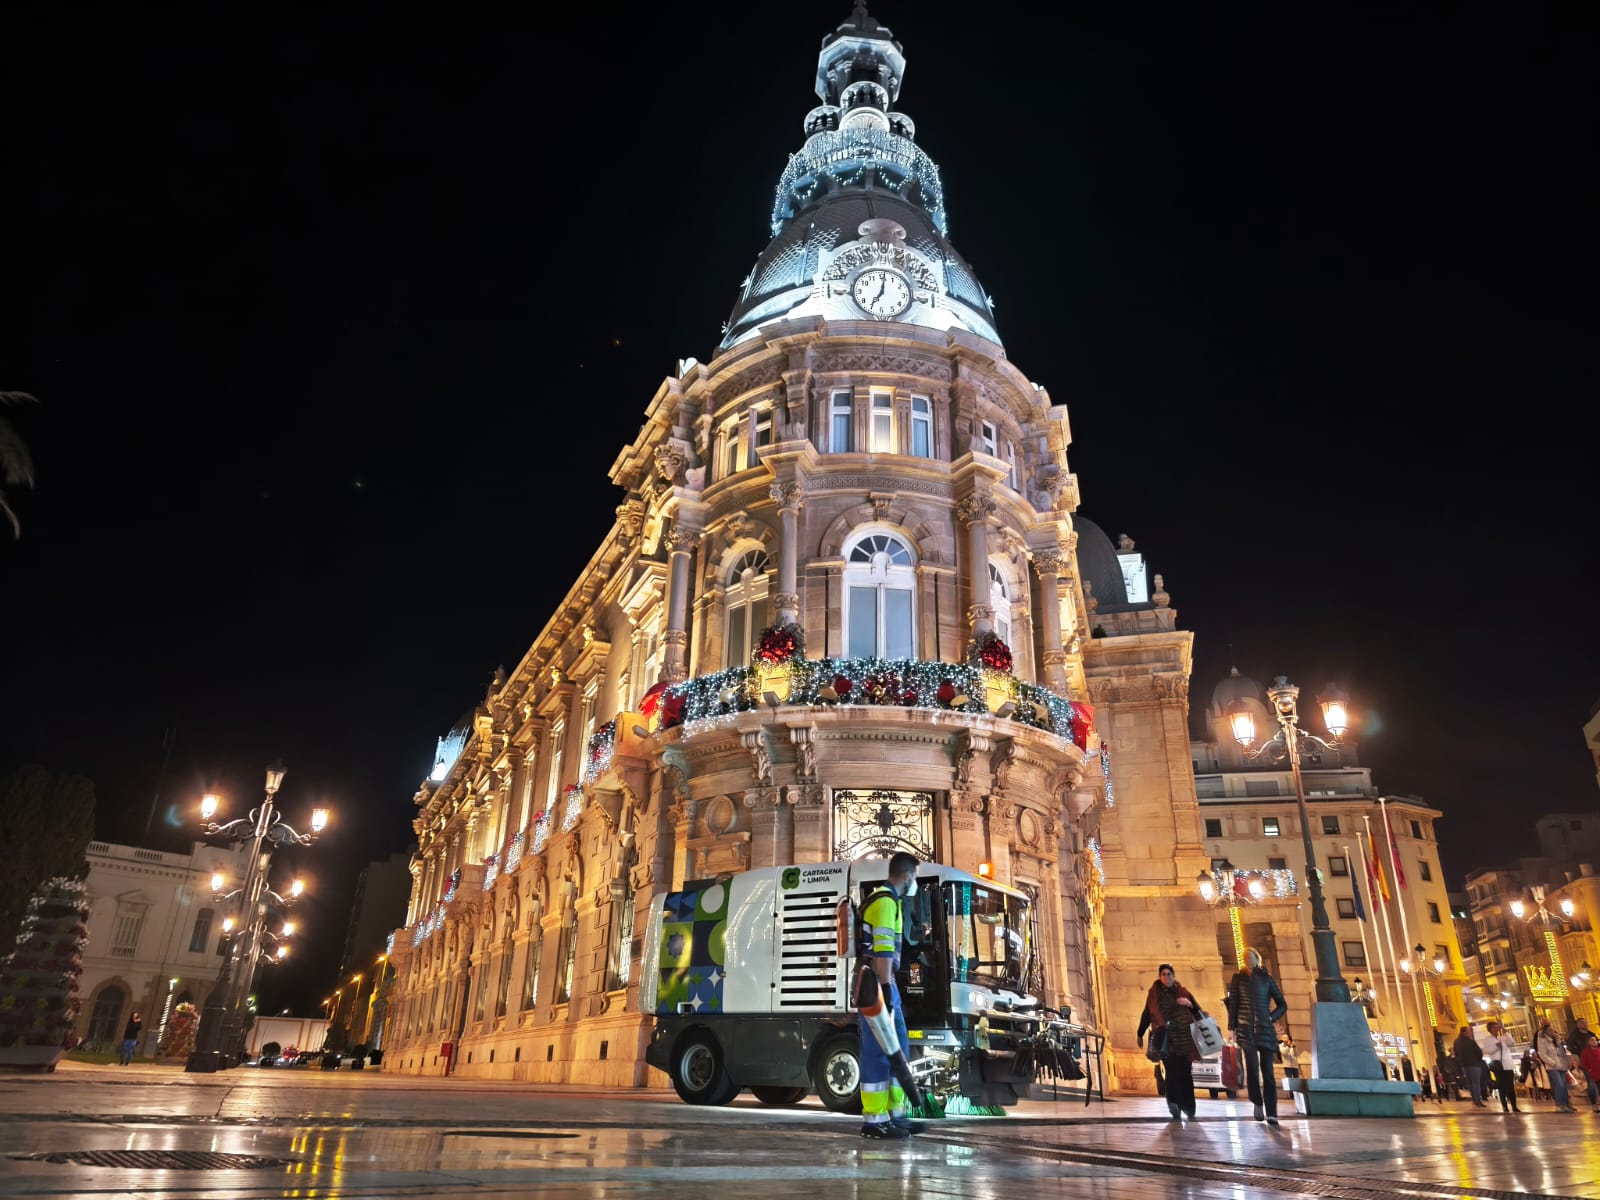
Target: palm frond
{"points": [[16, 464], [5, 511]]}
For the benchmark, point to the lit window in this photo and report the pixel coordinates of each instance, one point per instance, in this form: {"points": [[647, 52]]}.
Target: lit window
{"points": [[879, 598], [558, 734], [763, 428], [745, 606], [989, 439], [1000, 601], [1355, 955], [883, 423], [841, 442], [1269, 826], [921, 427]]}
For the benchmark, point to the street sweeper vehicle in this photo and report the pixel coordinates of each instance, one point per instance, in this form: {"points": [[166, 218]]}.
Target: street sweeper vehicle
{"points": [[754, 983]]}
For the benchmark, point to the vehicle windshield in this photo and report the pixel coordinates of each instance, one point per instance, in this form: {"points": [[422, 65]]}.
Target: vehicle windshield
{"points": [[988, 932]]}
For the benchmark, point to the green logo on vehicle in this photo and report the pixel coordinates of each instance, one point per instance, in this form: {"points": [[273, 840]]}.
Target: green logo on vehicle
{"points": [[791, 879]]}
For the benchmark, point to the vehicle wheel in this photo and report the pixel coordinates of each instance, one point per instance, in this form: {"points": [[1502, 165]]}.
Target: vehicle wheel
{"points": [[836, 1073], [699, 1074], [1214, 1094], [779, 1096]]}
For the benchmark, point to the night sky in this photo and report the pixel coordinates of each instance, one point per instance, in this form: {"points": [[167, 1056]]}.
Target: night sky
{"points": [[338, 319]]}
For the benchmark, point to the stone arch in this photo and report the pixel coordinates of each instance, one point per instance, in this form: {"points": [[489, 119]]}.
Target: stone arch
{"points": [[107, 1009], [737, 547], [861, 520]]}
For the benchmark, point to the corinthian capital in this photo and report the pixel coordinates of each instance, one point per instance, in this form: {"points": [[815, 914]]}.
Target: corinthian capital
{"points": [[1047, 562], [788, 495], [974, 508], [684, 538]]}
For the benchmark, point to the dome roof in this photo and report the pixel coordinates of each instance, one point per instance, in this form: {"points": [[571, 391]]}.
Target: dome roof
{"points": [[1099, 567], [1234, 688], [860, 209]]}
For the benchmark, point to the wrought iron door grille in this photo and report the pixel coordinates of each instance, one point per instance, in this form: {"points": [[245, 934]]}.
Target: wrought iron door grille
{"points": [[876, 824]]}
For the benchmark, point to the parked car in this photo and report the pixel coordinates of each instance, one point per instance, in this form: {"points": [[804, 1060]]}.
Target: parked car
{"points": [[1208, 1077]]}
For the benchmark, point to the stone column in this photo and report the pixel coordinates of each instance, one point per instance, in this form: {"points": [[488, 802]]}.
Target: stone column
{"points": [[1047, 565], [974, 510], [683, 539], [811, 837], [790, 499]]}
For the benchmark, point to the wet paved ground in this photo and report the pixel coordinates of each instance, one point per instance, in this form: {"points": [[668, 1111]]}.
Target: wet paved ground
{"points": [[375, 1135]]}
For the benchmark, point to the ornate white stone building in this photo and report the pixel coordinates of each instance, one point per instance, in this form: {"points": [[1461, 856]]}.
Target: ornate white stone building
{"points": [[861, 472]]}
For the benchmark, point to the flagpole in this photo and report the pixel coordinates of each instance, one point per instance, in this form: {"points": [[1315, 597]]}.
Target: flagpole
{"points": [[1361, 923], [1405, 930], [1388, 935]]}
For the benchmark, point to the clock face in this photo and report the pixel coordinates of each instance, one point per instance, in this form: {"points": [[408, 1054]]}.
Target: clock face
{"points": [[881, 292]]}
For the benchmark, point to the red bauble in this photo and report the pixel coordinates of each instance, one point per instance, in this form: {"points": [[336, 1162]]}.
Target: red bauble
{"points": [[841, 685], [908, 697], [946, 692], [672, 709]]}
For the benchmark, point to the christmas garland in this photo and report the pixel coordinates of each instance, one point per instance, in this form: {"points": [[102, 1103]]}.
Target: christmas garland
{"points": [[781, 643], [988, 650]]}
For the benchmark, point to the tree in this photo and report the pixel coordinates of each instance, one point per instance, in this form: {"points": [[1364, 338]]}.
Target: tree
{"points": [[39, 978], [16, 464], [46, 821]]}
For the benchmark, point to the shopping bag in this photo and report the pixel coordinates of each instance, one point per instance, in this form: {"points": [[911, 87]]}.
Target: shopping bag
{"points": [[1207, 1037], [1155, 1046], [1232, 1068]]}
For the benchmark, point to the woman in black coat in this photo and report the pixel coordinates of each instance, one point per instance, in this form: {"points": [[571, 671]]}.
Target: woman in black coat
{"points": [[1169, 1010], [1255, 1006]]}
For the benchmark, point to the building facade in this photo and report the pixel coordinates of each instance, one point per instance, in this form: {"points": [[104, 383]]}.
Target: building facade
{"points": [[847, 606], [1251, 819], [154, 937], [383, 894], [1534, 919]]}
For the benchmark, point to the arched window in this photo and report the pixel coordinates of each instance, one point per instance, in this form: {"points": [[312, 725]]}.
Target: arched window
{"points": [[566, 958], [507, 950], [530, 972], [105, 1022], [745, 605], [201, 931], [879, 598], [1000, 601]]}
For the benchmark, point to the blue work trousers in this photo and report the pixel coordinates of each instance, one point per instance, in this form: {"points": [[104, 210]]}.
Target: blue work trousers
{"points": [[881, 1097]]}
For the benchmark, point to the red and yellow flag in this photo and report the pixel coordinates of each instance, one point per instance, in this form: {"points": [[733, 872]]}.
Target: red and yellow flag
{"points": [[1379, 879]]}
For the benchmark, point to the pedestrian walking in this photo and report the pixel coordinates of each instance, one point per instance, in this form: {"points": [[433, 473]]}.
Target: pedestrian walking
{"points": [[130, 1039], [1501, 1058], [885, 1111], [1469, 1060], [1255, 1006], [1552, 1054], [1577, 1043], [1169, 1011], [1591, 1062]]}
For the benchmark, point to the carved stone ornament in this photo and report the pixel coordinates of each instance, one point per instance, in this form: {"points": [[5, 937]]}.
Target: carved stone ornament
{"points": [[900, 364], [1124, 543], [974, 509], [788, 495], [788, 602], [1055, 658], [755, 742], [642, 876], [1001, 760], [1100, 690], [980, 612], [670, 463], [1159, 597], [674, 637], [805, 749], [1029, 830], [759, 798], [684, 538], [741, 528], [882, 505], [1047, 563]]}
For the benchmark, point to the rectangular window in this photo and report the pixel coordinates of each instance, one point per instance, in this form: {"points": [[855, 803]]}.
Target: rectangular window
{"points": [[1443, 953], [989, 439], [883, 423], [1338, 865], [840, 441], [1261, 787], [921, 427], [530, 972], [125, 935], [201, 932], [763, 428], [566, 958], [1355, 954], [730, 449], [1330, 824], [862, 636], [1424, 870], [1269, 826], [738, 647], [1277, 864], [1416, 830], [558, 734], [1347, 906], [1213, 827], [896, 623], [1433, 913], [1217, 864], [1011, 461]]}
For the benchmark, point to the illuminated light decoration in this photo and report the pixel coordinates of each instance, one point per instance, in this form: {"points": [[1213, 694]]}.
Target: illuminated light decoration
{"points": [[1105, 771], [514, 851], [842, 156], [388, 946], [1099, 863], [541, 831], [1548, 984], [1249, 886], [450, 890], [1236, 923], [988, 650], [709, 702], [569, 820], [602, 747], [491, 869]]}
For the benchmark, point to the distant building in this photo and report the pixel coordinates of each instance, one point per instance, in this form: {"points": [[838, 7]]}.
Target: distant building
{"points": [[154, 937], [1250, 818], [383, 892], [1591, 738]]}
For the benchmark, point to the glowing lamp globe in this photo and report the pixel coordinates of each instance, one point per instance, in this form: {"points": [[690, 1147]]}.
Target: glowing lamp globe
{"points": [[1335, 713], [227, 924], [1208, 887], [1518, 908], [208, 806], [288, 929], [297, 888], [1257, 889], [283, 952], [1243, 724], [217, 881], [319, 819], [1567, 906]]}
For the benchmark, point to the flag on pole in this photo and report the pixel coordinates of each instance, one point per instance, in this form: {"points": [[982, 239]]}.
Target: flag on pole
{"points": [[1380, 881], [1361, 911], [1394, 850]]}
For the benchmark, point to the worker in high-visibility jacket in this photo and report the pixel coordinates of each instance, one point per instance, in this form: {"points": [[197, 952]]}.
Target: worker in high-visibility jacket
{"points": [[884, 1106]]}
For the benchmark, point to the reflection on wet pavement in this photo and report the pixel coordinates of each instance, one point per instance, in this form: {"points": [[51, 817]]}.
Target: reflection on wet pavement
{"points": [[378, 1135]]}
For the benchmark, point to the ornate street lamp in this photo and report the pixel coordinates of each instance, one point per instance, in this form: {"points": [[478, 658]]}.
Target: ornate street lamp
{"points": [[221, 1033]]}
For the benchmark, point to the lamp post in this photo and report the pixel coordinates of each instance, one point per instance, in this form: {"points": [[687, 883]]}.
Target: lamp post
{"points": [[263, 830], [1227, 884], [1284, 695]]}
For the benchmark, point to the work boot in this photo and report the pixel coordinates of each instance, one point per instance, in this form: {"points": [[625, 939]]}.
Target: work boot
{"points": [[906, 1123], [885, 1130], [1261, 1113]]}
